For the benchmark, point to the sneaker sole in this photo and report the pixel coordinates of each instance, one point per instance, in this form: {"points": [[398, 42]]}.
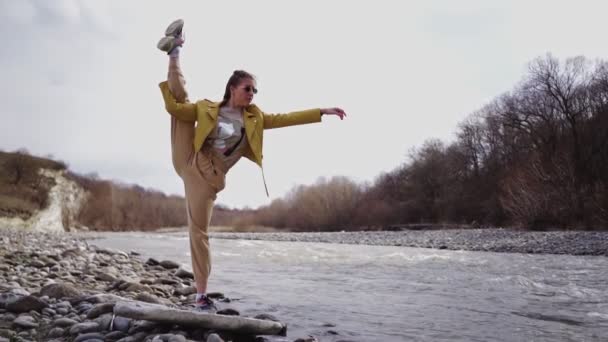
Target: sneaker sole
{"points": [[175, 28]]}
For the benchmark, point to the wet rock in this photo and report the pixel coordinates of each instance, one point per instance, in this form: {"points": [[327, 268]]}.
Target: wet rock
{"points": [[64, 322], [182, 273], [228, 312], [25, 322], [169, 264], [307, 339], [152, 262], [215, 295], [60, 290], [26, 304]]}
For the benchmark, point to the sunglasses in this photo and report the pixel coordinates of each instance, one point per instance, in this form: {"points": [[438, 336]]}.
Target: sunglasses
{"points": [[250, 89]]}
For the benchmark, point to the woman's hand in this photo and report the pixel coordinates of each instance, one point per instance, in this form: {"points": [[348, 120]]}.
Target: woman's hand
{"points": [[334, 111]]}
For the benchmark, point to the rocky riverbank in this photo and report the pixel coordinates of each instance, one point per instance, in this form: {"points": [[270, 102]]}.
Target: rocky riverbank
{"points": [[491, 240], [57, 287]]}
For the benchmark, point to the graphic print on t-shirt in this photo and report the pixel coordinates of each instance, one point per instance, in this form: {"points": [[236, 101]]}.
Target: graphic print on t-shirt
{"points": [[225, 129]]}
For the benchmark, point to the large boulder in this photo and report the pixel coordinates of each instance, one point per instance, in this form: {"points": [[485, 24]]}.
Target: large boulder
{"points": [[26, 304]]}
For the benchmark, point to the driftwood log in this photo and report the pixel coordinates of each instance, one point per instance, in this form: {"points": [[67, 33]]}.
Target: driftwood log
{"points": [[160, 313]]}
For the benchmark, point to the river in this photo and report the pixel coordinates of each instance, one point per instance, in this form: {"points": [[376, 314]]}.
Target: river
{"points": [[340, 292]]}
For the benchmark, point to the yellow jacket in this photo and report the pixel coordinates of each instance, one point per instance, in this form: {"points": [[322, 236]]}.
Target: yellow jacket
{"points": [[205, 113]]}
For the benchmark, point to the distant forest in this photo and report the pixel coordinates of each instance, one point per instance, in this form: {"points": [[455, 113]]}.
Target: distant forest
{"points": [[535, 158]]}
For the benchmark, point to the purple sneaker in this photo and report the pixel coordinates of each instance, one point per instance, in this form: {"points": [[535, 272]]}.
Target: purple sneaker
{"points": [[205, 304]]}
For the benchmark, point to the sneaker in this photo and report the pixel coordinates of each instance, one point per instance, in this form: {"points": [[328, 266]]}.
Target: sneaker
{"points": [[173, 37], [167, 44], [175, 28], [205, 305]]}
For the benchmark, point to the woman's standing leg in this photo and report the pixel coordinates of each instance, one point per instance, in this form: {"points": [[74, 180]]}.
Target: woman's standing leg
{"points": [[200, 196]]}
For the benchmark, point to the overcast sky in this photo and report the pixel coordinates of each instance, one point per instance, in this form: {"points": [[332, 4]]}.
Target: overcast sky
{"points": [[80, 78]]}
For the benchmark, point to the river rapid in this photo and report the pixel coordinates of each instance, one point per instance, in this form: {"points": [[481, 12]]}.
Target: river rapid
{"points": [[349, 292]]}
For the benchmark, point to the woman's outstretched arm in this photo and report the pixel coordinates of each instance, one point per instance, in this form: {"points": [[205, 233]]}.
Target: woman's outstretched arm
{"points": [[300, 117]]}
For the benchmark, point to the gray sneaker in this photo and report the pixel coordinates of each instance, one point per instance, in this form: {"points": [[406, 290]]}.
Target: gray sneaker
{"points": [[173, 37], [167, 44], [175, 28]]}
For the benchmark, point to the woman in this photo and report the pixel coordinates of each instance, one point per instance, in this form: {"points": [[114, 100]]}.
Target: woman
{"points": [[224, 132]]}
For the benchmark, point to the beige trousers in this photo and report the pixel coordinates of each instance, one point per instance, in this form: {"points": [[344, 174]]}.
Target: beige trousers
{"points": [[203, 174]]}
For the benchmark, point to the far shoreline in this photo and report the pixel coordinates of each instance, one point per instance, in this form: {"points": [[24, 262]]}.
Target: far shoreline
{"points": [[499, 240]]}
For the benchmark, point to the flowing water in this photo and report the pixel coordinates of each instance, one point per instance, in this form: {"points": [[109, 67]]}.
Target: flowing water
{"points": [[377, 293]]}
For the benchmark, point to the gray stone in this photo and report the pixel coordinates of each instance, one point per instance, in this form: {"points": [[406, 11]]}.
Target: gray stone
{"points": [[89, 337], [104, 321], [26, 322], [135, 287], [26, 304], [121, 324], [58, 291], [85, 327], [185, 291], [56, 332], [6, 298], [19, 292], [100, 309], [48, 312], [140, 336], [214, 338], [152, 262], [182, 273], [166, 281], [115, 335], [228, 312], [148, 298], [169, 264], [36, 263], [64, 304], [142, 326], [105, 277], [8, 317]]}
